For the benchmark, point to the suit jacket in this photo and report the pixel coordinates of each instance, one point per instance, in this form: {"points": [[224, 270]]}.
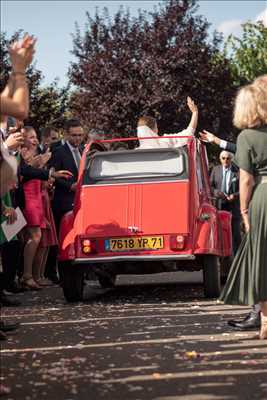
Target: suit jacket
{"points": [[230, 147], [63, 195], [216, 184], [56, 145]]}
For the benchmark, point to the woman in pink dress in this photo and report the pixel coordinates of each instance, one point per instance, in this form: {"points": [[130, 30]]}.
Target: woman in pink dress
{"points": [[40, 231]]}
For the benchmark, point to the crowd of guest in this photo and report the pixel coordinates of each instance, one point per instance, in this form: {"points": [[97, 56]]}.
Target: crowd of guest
{"points": [[39, 172], [46, 182]]}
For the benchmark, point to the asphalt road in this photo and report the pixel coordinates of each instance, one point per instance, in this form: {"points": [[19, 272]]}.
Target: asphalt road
{"points": [[153, 337]]}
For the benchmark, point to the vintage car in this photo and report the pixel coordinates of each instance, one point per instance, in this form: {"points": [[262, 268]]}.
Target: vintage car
{"points": [[143, 211]]}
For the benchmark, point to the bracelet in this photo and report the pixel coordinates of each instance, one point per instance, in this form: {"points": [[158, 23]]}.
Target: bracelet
{"points": [[244, 212], [14, 73], [21, 78]]}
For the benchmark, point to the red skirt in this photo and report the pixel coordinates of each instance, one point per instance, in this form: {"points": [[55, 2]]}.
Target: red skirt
{"points": [[33, 211], [49, 234]]}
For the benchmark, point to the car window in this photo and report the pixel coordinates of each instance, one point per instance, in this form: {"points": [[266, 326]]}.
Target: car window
{"points": [[137, 164]]}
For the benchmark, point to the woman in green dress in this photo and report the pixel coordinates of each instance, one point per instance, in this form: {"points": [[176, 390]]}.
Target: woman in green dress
{"points": [[247, 280]]}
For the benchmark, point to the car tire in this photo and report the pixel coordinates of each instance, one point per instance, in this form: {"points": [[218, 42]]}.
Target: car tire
{"points": [[72, 282], [211, 276]]}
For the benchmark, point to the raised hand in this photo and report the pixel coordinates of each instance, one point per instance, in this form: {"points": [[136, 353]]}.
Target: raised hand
{"points": [[21, 54], [14, 141], [191, 105]]}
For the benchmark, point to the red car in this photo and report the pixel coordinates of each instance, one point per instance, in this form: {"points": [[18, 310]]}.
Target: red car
{"points": [[140, 211]]}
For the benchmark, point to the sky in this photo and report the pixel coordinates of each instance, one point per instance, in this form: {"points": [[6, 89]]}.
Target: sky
{"points": [[53, 22]]}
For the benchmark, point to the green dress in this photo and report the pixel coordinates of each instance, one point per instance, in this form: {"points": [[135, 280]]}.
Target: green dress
{"points": [[7, 201], [247, 280]]}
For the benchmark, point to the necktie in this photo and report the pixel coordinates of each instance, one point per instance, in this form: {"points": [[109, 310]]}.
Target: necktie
{"points": [[224, 183], [77, 156]]}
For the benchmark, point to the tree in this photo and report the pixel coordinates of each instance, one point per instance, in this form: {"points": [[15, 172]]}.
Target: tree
{"points": [[48, 104], [129, 66], [248, 54]]}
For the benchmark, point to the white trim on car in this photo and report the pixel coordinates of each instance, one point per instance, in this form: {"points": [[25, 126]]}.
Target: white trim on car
{"points": [[132, 183], [134, 258]]}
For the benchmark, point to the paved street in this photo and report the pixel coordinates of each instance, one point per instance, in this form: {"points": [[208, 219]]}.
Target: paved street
{"points": [[153, 337]]}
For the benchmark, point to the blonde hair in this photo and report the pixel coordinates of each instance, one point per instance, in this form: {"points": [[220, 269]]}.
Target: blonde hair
{"points": [[260, 81], [251, 106]]}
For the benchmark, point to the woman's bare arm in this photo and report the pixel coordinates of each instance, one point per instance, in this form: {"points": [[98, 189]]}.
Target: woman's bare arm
{"points": [[15, 99], [247, 183], [194, 110], [18, 105]]}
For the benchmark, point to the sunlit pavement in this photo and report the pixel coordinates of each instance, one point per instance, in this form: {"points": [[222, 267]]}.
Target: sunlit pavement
{"points": [[153, 337]]}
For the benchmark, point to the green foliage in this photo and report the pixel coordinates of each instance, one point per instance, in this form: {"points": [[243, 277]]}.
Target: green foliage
{"points": [[248, 54], [128, 66], [48, 104]]}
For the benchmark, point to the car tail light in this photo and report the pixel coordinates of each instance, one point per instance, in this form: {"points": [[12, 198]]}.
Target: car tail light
{"points": [[88, 246], [177, 242]]}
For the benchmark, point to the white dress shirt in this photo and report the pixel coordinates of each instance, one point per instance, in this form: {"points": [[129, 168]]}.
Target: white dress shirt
{"points": [[228, 172], [168, 141]]}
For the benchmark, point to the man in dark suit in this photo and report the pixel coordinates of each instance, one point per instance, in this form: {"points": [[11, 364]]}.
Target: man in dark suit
{"points": [[64, 156], [224, 181], [67, 157]]}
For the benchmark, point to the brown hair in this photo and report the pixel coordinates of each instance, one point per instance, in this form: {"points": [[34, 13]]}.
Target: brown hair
{"points": [[46, 131], [148, 121], [72, 123]]}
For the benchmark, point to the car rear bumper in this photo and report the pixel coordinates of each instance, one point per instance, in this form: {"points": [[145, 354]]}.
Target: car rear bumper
{"points": [[133, 258]]}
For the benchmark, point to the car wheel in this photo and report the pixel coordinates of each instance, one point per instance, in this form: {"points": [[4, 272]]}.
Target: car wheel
{"points": [[211, 276], [72, 282]]}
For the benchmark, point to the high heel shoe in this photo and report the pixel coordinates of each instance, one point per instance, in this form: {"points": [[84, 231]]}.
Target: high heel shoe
{"points": [[263, 331], [43, 282], [30, 284]]}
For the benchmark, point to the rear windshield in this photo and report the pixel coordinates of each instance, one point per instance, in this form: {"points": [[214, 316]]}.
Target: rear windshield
{"points": [[136, 165]]}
